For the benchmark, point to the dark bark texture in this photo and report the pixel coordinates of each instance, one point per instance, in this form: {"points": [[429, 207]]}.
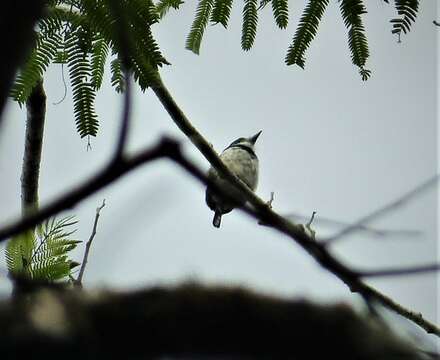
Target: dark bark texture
{"points": [[36, 111], [190, 322]]}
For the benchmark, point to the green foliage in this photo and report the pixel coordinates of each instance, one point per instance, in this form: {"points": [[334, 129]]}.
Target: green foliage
{"points": [[19, 252], [78, 48], [407, 9], [263, 3], [117, 80], [305, 32], [351, 11], [99, 56], [221, 12], [43, 254], [198, 26], [81, 34], [163, 6], [280, 10], [39, 59], [250, 21], [218, 12]]}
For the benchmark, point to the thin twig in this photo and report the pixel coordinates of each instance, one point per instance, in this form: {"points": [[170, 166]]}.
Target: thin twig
{"points": [[378, 232], [392, 206], [421, 269], [78, 281]]}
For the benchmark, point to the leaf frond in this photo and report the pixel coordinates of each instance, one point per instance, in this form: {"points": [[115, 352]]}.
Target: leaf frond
{"points": [[194, 38], [351, 11], [305, 32], [407, 11], [78, 48], [163, 6], [221, 12], [250, 22], [280, 10]]}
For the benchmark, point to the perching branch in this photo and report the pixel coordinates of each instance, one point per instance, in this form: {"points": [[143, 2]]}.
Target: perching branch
{"points": [[78, 281], [168, 148], [263, 212], [257, 208], [36, 112]]}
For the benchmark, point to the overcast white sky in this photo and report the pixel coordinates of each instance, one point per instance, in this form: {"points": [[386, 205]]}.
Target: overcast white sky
{"points": [[330, 143]]}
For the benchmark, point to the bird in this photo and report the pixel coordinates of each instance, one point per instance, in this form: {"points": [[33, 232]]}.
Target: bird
{"points": [[240, 158]]}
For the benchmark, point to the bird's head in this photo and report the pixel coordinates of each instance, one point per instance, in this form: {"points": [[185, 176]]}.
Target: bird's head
{"points": [[246, 142]]}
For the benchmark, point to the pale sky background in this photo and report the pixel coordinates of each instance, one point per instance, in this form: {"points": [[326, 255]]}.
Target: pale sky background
{"points": [[330, 143]]}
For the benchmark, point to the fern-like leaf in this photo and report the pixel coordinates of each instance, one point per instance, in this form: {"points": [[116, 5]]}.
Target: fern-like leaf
{"points": [[35, 66], [280, 10], [163, 6], [99, 55], [305, 32], [117, 80], [80, 72], [408, 10], [250, 21], [198, 26], [221, 12], [351, 11], [263, 4], [19, 253], [50, 259]]}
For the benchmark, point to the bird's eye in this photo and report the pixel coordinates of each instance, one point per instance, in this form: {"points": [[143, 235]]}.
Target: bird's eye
{"points": [[239, 140]]}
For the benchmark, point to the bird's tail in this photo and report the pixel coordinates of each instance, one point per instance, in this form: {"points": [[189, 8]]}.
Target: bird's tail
{"points": [[217, 219]]}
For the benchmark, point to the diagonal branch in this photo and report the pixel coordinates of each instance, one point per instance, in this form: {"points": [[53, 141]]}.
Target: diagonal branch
{"points": [[257, 208], [168, 148], [263, 212]]}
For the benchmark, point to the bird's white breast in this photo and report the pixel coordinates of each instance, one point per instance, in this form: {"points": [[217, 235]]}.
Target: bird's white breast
{"points": [[243, 164]]}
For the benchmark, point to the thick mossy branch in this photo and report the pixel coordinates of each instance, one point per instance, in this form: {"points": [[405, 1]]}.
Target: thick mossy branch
{"points": [[189, 321], [33, 144]]}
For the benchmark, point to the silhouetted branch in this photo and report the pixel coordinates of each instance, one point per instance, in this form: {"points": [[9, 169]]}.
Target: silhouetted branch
{"points": [[78, 281]]}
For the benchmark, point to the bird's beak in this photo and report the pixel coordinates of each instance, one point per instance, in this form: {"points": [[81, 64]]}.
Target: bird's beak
{"points": [[254, 138]]}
